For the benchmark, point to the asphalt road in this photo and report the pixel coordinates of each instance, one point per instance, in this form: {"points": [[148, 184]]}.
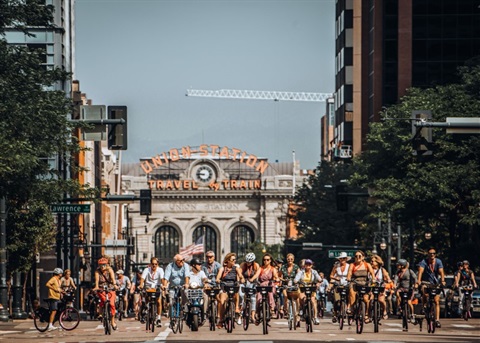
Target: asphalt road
{"points": [[453, 330]]}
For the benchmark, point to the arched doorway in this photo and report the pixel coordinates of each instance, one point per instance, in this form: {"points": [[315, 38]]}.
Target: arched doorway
{"points": [[241, 238], [209, 241], [167, 243]]}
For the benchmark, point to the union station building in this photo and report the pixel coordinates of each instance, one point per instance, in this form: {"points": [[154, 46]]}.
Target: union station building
{"points": [[227, 196]]}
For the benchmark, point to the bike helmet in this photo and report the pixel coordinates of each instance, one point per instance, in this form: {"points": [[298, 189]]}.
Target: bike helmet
{"points": [[402, 262], [466, 262], [195, 261], [250, 257], [57, 271], [103, 260], [120, 271]]}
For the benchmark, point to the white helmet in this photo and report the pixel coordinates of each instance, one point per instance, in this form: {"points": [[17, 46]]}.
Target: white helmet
{"points": [[57, 271], [250, 257]]}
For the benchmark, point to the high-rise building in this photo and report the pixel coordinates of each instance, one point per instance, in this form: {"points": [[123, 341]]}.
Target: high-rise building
{"points": [[384, 47]]}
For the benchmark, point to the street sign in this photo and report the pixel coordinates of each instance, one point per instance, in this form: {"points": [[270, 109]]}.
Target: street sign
{"points": [[70, 208], [336, 253], [116, 247]]}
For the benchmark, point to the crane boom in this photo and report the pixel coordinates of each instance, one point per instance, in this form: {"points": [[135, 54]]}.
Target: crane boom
{"points": [[259, 95]]}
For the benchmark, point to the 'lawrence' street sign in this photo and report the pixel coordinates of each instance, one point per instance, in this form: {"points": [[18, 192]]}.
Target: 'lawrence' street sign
{"points": [[68, 208]]}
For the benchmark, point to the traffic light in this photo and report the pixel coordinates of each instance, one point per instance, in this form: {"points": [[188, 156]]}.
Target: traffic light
{"points": [[422, 136], [117, 133], [342, 197], [145, 202]]}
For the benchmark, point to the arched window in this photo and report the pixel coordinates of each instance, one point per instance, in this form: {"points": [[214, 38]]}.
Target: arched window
{"points": [[242, 237], [210, 239], [167, 243]]}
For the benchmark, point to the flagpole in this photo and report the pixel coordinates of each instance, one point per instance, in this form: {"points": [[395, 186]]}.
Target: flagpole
{"points": [[204, 238]]}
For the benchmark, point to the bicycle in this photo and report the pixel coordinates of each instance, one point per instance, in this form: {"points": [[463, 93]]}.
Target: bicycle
{"points": [[119, 303], [375, 308], [67, 315], [229, 316], [292, 305], [359, 306], [405, 295], [321, 301], [431, 290], [151, 295], [308, 310], [467, 301], [107, 312], [342, 306], [264, 316], [249, 292], [277, 301], [212, 306], [176, 310]]}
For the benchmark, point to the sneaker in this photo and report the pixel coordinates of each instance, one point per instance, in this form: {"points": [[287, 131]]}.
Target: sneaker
{"points": [[334, 319], [158, 321], [300, 313], [437, 324], [316, 321], [125, 314], [239, 320], [51, 328]]}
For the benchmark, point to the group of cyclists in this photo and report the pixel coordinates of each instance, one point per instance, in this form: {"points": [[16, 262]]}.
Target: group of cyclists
{"points": [[285, 280]]}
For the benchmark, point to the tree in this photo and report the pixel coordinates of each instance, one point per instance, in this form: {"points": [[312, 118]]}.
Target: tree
{"points": [[33, 128], [439, 193]]}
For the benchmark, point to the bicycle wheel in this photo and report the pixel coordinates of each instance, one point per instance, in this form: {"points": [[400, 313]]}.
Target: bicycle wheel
{"points": [[180, 317], [246, 315], [291, 315], [264, 317], [360, 316], [342, 315], [466, 308], [173, 317], [106, 319], [405, 310], [120, 309], [69, 318], [433, 316], [213, 316], [320, 309], [376, 315], [40, 319], [152, 314], [308, 316]]}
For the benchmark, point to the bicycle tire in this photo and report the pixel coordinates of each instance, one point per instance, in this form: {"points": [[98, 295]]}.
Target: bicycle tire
{"points": [[376, 318], [406, 310], [360, 316], [106, 319], [246, 315], [433, 316], [466, 308], [120, 309], [180, 319], [264, 317], [69, 318], [152, 316], [40, 319], [308, 316], [320, 311], [342, 315], [213, 316]]}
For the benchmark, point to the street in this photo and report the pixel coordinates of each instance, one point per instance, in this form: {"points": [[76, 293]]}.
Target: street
{"points": [[453, 330]]}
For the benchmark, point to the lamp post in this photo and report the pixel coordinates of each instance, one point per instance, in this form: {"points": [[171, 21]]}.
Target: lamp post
{"points": [[4, 314]]}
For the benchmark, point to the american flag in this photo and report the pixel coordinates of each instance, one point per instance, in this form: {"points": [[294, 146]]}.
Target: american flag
{"points": [[193, 249]]}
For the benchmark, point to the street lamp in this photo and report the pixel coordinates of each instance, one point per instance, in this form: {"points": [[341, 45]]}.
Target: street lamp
{"points": [[428, 235], [383, 244]]}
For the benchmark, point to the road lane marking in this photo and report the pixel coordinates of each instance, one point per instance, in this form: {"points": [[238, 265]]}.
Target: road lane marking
{"points": [[162, 336], [463, 326]]}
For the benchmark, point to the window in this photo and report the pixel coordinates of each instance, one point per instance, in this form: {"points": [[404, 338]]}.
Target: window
{"points": [[209, 241], [241, 238], [167, 243]]}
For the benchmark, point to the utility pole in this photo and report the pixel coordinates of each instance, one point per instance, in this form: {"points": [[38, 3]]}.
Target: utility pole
{"points": [[4, 313]]}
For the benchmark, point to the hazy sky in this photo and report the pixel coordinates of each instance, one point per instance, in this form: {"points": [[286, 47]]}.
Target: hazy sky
{"points": [[145, 53]]}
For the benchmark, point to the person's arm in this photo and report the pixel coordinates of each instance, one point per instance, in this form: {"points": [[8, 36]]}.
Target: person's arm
{"points": [[456, 280], [239, 275], [112, 277], [72, 283], [257, 272], [333, 273], [349, 274], [473, 280], [219, 275], [386, 276], [419, 275], [370, 270]]}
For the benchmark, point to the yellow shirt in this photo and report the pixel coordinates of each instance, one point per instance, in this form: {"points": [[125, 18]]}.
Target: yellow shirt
{"points": [[54, 290]]}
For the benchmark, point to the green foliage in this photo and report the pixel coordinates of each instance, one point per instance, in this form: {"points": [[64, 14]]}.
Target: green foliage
{"points": [[33, 131], [439, 193]]}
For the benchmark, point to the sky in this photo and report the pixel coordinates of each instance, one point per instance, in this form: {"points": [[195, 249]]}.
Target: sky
{"points": [[145, 54]]}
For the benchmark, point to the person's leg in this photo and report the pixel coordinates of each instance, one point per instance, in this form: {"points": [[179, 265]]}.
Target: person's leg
{"points": [[113, 295], [383, 305]]}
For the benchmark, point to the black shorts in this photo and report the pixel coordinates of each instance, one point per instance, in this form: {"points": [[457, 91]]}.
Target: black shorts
{"points": [[53, 304]]}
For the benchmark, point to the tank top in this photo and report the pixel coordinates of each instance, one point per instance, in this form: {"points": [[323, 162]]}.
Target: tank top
{"points": [[104, 279], [229, 276], [265, 275], [342, 275], [360, 273], [250, 270], [378, 275]]}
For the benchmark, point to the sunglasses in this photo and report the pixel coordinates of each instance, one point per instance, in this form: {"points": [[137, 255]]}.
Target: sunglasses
{"points": [[154, 264], [432, 253], [180, 261], [103, 265], [358, 256], [266, 259], [233, 259], [209, 256]]}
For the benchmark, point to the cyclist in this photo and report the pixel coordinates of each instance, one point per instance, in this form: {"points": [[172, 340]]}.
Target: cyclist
{"points": [[338, 276], [66, 282], [137, 299], [104, 276], [466, 277], [405, 279], [228, 274], [250, 272], [210, 266], [287, 273], [381, 276], [431, 270], [308, 275], [358, 273], [123, 283], [177, 273], [152, 278], [278, 265], [54, 295], [322, 288], [198, 276]]}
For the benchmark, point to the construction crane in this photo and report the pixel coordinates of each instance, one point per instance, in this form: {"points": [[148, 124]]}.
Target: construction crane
{"points": [[259, 95]]}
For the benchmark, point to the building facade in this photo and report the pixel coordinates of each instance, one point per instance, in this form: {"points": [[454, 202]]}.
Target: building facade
{"points": [[223, 198]]}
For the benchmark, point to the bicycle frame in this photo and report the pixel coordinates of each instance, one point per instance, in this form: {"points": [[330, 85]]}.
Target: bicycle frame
{"points": [[430, 312], [308, 314], [247, 306], [176, 311], [342, 308], [212, 306], [375, 308], [229, 316], [263, 306], [359, 306]]}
